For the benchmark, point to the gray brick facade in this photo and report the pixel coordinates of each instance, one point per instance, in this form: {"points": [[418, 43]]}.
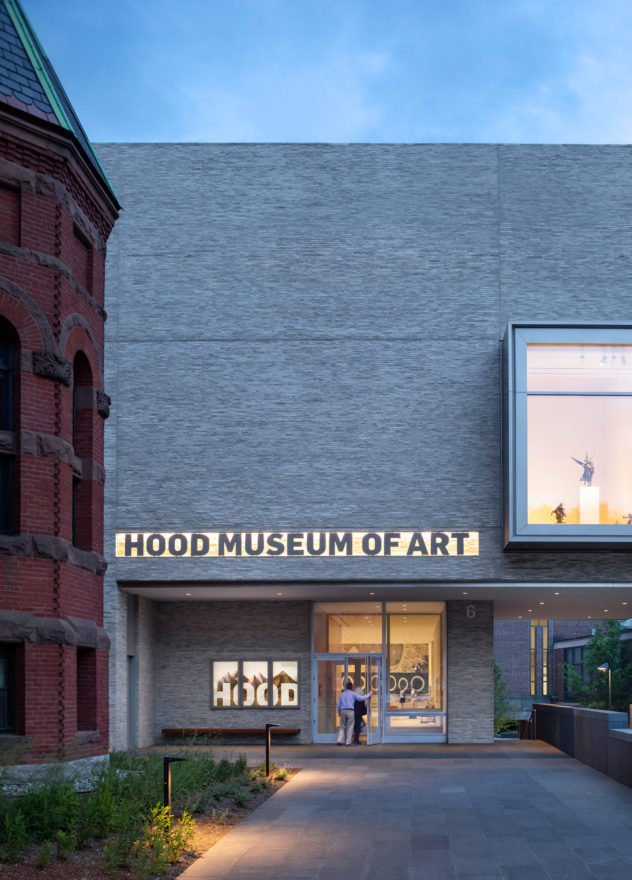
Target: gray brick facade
{"points": [[188, 637], [470, 642], [307, 337]]}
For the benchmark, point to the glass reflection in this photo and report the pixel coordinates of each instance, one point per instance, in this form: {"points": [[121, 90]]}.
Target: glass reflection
{"points": [[285, 683], [579, 368], [225, 679], [414, 663], [255, 683]]}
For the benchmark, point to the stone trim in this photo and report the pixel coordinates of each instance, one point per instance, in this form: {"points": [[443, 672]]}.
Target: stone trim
{"points": [[34, 311], [49, 187], [7, 443], [48, 446], [92, 398], [50, 547], [36, 258], [92, 471], [84, 737], [103, 404], [25, 627], [49, 365]]}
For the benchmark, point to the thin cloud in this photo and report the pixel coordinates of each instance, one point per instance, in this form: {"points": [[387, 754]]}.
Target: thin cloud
{"points": [[328, 102]]}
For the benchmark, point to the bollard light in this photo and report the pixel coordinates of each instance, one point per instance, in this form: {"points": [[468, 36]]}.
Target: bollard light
{"points": [[605, 667], [268, 728], [166, 780]]}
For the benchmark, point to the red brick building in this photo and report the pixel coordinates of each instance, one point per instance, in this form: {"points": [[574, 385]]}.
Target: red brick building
{"points": [[57, 210]]}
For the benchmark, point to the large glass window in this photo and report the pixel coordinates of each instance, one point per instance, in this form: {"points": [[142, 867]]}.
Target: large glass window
{"points": [[353, 628], [569, 471], [405, 642], [414, 660]]}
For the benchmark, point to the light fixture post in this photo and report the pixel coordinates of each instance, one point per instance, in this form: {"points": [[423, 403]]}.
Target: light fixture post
{"points": [[605, 667]]}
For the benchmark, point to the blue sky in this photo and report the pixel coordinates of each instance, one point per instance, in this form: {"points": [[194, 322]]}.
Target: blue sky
{"points": [[539, 71]]}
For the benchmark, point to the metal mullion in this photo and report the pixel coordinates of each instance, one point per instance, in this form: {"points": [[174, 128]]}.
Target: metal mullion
{"points": [[578, 393]]}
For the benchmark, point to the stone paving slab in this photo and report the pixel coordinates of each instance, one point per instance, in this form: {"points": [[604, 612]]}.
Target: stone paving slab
{"points": [[519, 811]]}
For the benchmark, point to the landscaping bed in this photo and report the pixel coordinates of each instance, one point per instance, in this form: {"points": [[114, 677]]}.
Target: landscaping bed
{"points": [[119, 829]]}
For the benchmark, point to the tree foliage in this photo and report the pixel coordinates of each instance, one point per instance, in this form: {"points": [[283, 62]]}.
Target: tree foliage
{"points": [[504, 709], [605, 646]]}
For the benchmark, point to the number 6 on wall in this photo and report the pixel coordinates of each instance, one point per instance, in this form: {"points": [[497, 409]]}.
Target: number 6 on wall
{"points": [[470, 612]]}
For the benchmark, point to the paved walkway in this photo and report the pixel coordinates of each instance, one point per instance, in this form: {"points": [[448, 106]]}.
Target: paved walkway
{"points": [[518, 810]]}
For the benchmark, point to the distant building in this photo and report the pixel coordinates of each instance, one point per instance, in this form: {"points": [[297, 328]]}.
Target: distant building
{"points": [[534, 653], [57, 210]]}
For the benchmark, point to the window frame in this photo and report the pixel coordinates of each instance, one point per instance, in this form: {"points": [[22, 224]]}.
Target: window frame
{"points": [[8, 654], [519, 534]]}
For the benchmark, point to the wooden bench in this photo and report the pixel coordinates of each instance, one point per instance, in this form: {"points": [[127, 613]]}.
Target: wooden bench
{"points": [[229, 731]]}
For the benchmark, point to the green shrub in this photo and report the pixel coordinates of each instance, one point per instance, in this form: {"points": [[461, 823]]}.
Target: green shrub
{"points": [[45, 855], [219, 818], [124, 795], [504, 709], [14, 836], [161, 842], [66, 842], [242, 797]]}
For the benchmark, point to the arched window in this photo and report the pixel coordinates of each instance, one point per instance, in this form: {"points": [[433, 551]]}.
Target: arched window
{"points": [[82, 417], [8, 356]]}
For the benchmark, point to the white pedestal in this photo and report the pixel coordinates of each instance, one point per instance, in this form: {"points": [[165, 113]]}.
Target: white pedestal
{"points": [[588, 505]]}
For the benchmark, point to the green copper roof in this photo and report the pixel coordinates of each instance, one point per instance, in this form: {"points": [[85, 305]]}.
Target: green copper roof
{"points": [[29, 82]]}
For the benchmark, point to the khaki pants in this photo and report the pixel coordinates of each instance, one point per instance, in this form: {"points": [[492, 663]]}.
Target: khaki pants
{"points": [[345, 731]]}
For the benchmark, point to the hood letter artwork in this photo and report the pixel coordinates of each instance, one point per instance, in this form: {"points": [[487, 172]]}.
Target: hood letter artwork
{"points": [[152, 545]]}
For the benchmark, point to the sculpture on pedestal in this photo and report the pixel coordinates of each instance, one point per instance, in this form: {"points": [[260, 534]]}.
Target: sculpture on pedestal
{"points": [[589, 469]]}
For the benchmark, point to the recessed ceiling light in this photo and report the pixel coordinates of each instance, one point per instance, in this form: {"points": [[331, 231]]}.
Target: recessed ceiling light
{"points": [[590, 617], [464, 593], [371, 594], [530, 609], [187, 594], [520, 617], [279, 594], [624, 603], [541, 603], [605, 610], [556, 594]]}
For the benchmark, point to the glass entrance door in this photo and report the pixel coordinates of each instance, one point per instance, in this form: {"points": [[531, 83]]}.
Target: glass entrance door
{"points": [[330, 677]]}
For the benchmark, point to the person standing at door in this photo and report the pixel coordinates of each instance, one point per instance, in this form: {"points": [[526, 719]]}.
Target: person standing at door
{"points": [[359, 711], [345, 709]]}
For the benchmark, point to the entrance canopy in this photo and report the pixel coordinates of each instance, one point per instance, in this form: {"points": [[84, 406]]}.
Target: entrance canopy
{"points": [[511, 601]]}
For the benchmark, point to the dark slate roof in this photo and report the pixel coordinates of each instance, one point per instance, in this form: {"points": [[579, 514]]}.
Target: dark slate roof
{"points": [[29, 82]]}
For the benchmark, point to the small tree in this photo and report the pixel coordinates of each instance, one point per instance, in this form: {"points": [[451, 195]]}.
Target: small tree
{"points": [[605, 646], [504, 711]]}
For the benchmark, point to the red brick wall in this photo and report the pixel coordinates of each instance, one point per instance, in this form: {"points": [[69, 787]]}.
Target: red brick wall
{"points": [[55, 221], [9, 214]]}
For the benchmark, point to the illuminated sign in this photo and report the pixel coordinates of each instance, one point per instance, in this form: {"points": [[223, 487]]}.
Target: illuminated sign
{"points": [[243, 684], [270, 544]]}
